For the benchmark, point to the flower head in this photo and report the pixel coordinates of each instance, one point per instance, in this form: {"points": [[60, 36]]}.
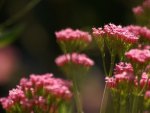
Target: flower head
{"points": [[97, 32], [116, 38], [120, 33], [138, 10], [110, 82], [70, 34], [113, 31], [144, 80], [38, 90], [143, 32], [142, 12], [146, 4], [73, 40], [147, 94], [124, 76], [137, 55], [75, 58], [123, 67]]}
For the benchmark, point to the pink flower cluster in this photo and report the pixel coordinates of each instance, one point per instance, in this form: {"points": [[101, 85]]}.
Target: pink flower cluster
{"points": [[146, 4], [144, 32], [123, 73], [138, 55], [70, 34], [145, 80], [98, 32], [118, 32], [147, 94], [138, 10], [125, 77], [38, 90], [123, 66], [75, 58]]}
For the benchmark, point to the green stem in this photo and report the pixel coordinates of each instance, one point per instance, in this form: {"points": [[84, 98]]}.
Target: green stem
{"points": [[135, 104], [77, 96], [104, 64], [123, 108], [102, 106], [112, 63], [115, 96]]}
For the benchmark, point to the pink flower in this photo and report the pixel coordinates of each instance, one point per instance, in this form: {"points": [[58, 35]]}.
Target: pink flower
{"points": [[143, 8], [98, 32], [146, 4], [124, 76], [120, 33], [115, 32], [144, 32], [137, 10], [63, 59], [75, 58], [138, 55], [147, 94], [144, 80], [123, 67], [147, 47], [70, 34], [8, 57], [81, 59], [16, 94], [35, 91], [6, 103], [110, 82]]}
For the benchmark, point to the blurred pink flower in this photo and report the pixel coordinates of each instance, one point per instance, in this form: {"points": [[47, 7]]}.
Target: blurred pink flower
{"points": [[98, 32], [146, 4], [143, 32], [79, 59], [9, 63], [138, 10], [70, 34], [147, 94], [137, 55]]}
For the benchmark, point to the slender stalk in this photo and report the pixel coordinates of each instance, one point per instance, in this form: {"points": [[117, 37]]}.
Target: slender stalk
{"points": [[145, 85], [104, 64], [123, 108], [112, 63], [77, 96], [135, 104], [102, 106]]}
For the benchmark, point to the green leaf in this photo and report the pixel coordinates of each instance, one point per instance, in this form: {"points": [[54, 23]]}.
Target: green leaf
{"points": [[10, 35]]}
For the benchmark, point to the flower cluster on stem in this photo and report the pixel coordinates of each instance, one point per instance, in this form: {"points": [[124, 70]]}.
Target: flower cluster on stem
{"points": [[73, 63], [39, 94]]}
